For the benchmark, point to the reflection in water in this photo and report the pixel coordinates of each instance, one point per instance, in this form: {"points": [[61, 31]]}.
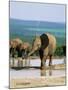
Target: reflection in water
{"points": [[46, 72], [52, 72], [36, 62], [35, 73]]}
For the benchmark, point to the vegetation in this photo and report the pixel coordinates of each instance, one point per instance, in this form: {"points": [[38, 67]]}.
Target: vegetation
{"points": [[59, 51]]}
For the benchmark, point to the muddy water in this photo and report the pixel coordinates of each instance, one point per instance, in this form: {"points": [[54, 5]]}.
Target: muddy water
{"points": [[37, 62], [32, 72], [35, 73]]}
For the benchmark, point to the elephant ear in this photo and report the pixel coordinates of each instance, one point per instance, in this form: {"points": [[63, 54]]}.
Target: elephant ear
{"points": [[44, 41]]}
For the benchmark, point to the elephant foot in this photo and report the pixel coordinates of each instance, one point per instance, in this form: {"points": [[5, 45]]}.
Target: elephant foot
{"points": [[50, 64], [42, 68]]}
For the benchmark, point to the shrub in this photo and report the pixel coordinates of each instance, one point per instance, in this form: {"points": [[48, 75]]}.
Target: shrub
{"points": [[59, 51]]}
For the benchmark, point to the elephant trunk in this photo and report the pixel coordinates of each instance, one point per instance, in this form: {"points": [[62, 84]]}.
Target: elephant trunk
{"points": [[35, 48], [31, 52]]}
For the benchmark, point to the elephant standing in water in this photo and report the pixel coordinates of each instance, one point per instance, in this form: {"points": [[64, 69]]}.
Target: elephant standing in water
{"points": [[46, 45], [21, 49]]}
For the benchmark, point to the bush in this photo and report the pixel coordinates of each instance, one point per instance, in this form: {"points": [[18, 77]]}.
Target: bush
{"points": [[59, 51]]}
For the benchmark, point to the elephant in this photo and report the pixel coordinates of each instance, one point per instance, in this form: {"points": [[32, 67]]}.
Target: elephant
{"points": [[46, 45], [14, 43], [19, 48], [23, 49]]}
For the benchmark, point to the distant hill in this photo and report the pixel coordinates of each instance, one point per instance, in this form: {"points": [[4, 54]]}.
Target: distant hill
{"points": [[26, 30], [40, 24]]}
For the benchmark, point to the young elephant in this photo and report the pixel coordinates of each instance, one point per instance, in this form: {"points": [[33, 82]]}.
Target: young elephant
{"points": [[23, 49], [46, 45]]}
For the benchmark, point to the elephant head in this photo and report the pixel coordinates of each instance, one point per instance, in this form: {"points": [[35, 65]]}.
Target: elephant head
{"points": [[36, 45], [24, 49]]}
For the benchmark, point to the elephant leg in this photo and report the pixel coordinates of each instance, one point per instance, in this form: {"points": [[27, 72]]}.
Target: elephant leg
{"points": [[18, 63], [21, 62], [43, 61], [13, 62], [26, 64], [42, 64], [50, 61]]}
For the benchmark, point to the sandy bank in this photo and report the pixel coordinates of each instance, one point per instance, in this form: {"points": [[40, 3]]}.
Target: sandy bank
{"points": [[37, 82]]}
